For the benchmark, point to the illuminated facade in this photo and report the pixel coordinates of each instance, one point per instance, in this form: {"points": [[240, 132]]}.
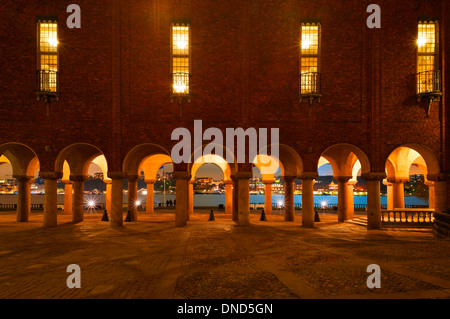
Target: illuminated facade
{"points": [[370, 102]]}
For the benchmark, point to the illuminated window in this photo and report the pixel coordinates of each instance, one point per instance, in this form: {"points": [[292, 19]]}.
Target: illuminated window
{"points": [[47, 56], [427, 59], [309, 58], [180, 58]]}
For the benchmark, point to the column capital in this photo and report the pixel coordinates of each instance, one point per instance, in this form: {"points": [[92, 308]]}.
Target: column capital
{"points": [[309, 175], [107, 181], [343, 179], [244, 175], [387, 183], [66, 181], [116, 175], [289, 179], [78, 178], [268, 182], [23, 178], [352, 182], [228, 182], [437, 177], [50, 175], [150, 181], [132, 178], [183, 175], [373, 176], [395, 180], [429, 183]]}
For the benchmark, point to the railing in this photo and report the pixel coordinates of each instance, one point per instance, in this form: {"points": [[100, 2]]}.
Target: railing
{"points": [[428, 82], [180, 82], [310, 83], [407, 218], [47, 82]]}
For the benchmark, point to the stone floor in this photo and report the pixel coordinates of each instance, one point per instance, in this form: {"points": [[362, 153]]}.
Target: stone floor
{"points": [[152, 258]]}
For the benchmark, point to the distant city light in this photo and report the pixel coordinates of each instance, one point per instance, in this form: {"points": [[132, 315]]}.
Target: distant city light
{"points": [[91, 203]]}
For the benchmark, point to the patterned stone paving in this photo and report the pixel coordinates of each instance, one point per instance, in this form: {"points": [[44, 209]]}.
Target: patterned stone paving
{"points": [[215, 260]]}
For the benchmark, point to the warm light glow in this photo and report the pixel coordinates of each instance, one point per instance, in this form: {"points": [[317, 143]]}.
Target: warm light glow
{"points": [[323, 204], [179, 87], [91, 203], [182, 44], [280, 203], [306, 44], [138, 203], [421, 42], [53, 42]]}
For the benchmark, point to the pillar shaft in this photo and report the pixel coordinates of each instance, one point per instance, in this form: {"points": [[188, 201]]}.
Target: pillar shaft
{"points": [[307, 202], [23, 198], [440, 196], [68, 197], [289, 207], [373, 204], [228, 198], [351, 203], [78, 201], [50, 202], [150, 206], [244, 200], [116, 219], [108, 195], [398, 195], [343, 199], [389, 196], [268, 197], [182, 189], [190, 200], [132, 196], [235, 200]]}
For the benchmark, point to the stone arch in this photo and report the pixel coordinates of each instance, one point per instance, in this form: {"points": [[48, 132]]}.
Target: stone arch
{"points": [[25, 164], [134, 159], [78, 157], [343, 157], [22, 158]]}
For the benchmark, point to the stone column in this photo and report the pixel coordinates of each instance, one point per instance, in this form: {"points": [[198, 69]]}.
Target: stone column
{"points": [[244, 198], [50, 198], [343, 200], [23, 197], [268, 196], [373, 199], [150, 206], [235, 199], [68, 202], [351, 203], [398, 191], [389, 195], [108, 183], [181, 209], [431, 195], [132, 196], [228, 197], [190, 199], [440, 191], [78, 197], [116, 219], [289, 207], [308, 199]]}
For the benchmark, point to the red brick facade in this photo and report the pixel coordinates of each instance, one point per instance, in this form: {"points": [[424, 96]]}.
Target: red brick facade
{"points": [[115, 76]]}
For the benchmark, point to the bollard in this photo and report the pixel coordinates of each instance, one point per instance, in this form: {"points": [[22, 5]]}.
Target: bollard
{"points": [[211, 216], [105, 217], [128, 218], [316, 216], [263, 216]]}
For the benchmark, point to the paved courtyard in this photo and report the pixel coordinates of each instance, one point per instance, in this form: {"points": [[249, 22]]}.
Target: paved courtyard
{"points": [[152, 258]]}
